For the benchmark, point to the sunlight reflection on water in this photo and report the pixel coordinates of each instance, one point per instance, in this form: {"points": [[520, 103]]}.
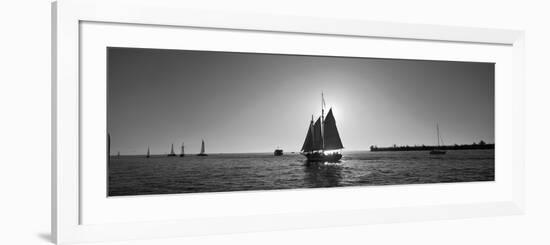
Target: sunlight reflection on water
{"points": [[137, 175]]}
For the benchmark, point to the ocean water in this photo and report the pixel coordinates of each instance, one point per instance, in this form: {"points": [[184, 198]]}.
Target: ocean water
{"points": [[137, 175]]}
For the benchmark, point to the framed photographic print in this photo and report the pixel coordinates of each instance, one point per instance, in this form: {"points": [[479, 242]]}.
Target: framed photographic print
{"points": [[170, 122]]}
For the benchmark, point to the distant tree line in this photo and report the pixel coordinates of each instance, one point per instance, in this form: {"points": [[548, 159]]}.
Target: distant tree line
{"points": [[481, 145]]}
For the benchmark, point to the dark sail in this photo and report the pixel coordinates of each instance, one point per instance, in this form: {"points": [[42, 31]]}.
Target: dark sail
{"points": [[308, 143], [172, 153], [317, 136], [332, 138], [202, 154]]}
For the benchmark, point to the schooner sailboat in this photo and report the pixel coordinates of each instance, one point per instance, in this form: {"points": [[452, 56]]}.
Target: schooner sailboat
{"points": [[436, 150], [172, 154], [322, 143], [202, 154]]}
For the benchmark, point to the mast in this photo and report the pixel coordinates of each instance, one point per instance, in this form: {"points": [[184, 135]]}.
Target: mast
{"points": [[182, 149], [322, 120], [148, 152], [312, 134], [437, 127], [202, 147]]}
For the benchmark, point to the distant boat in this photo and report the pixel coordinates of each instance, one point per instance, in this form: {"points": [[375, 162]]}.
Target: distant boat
{"points": [[322, 143], [182, 154], [278, 152], [202, 154], [172, 154], [148, 153], [108, 148], [437, 150]]}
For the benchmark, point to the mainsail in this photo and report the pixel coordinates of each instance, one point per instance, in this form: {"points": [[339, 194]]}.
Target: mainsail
{"points": [[332, 138], [202, 154], [172, 153], [182, 153], [317, 136]]}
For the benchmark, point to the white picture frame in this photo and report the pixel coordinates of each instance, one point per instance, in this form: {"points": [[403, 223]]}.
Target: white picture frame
{"points": [[67, 197]]}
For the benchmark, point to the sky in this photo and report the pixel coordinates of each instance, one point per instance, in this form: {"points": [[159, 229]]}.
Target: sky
{"points": [[248, 102]]}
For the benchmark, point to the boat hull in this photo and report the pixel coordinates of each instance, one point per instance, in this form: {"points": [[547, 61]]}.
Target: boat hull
{"points": [[322, 157], [437, 152], [202, 155]]}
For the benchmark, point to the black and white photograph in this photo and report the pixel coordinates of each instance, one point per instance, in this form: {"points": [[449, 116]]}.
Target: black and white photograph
{"points": [[275, 122], [190, 121]]}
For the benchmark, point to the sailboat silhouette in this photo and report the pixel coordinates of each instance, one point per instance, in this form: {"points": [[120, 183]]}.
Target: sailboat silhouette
{"points": [[437, 150], [182, 154], [172, 154], [202, 154], [323, 143]]}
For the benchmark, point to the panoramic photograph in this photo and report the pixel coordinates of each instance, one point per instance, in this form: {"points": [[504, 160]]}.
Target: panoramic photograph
{"points": [[185, 121]]}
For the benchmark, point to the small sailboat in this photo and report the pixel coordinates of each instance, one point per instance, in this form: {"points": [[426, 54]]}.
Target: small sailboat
{"points": [[148, 153], [437, 150], [108, 147], [172, 154], [202, 154], [323, 143], [182, 154]]}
